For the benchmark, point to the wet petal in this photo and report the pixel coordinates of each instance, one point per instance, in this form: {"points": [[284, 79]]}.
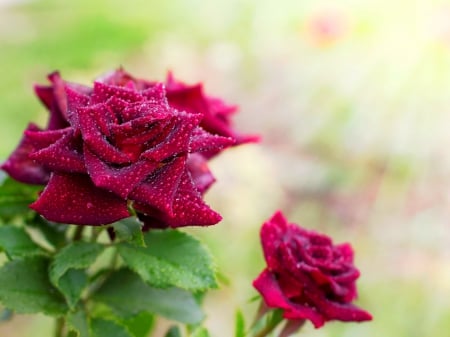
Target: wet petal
{"points": [[73, 199], [63, 155], [200, 173], [188, 208], [159, 189], [177, 139], [95, 140], [120, 180], [21, 167], [203, 141], [268, 287]]}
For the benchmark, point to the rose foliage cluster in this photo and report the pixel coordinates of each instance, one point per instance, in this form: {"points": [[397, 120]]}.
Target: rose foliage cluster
{"points": [[130, 156]]}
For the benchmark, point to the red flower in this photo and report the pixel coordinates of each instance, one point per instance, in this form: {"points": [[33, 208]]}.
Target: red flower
{"points": [[191, 98], [114, 146], [306, 275]]}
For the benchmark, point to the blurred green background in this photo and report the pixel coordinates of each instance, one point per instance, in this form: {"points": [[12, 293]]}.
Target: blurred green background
{"points": [[351, 98]]}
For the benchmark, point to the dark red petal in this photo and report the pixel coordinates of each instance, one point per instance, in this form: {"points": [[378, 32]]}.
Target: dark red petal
{"points": [[267, 286], [95, 140], [73, 199], [158, 191], [54, 99], [75, 101], [188, 208], [156, 93], [64, 155], [21, 167], [200, 173], [272, 232], [144, 109], [102, 92], [203, 141], [332, 310], [142, 131], [187, 98], [120, 180], [177, 141], [42, 139], [320, 298]]}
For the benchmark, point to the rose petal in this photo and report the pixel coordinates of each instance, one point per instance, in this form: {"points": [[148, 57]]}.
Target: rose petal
{"points": [[188, 208], [271, 236], [200, 173], [203, 141], [103, 91], [21, 167], [95, 140], [73, 199], [54, 99], [158, 191], [177, 139], [120, 180], [267, 286], [75, 100], [64, 155]]}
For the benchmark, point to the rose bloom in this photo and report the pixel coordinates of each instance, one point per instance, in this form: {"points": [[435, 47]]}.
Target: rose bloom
{"points": [[306, 275], [115, 146]]}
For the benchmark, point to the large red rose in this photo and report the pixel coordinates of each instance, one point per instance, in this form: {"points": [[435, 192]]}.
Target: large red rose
{"points": [[113, 147], [192, 98], [306, 275]]}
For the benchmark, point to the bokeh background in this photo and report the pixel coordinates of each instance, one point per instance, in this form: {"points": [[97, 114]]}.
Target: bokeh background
{"points": [[351, 97]]}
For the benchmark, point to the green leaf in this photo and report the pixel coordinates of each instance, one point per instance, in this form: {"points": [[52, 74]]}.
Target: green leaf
{"points": [[17, 243], [15, 198], [129, 230], [174, 331], [53, 233], [171, 258], [72, 284], [200, 332], [239, 327], [25, 288], [78, 322], [104, 328], [139, 325], [126, 294], [64, 270]]}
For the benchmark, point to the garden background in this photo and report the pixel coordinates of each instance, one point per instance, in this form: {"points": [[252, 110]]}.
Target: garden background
{"points": [[352, 99]]}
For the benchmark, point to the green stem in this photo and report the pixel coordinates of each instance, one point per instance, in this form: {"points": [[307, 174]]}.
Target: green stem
{"points": [[95, 233], [264, 332], [59, 327], [78, 233]]}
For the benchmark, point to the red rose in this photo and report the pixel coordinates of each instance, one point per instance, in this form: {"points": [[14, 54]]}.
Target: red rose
{"points": [[192, 98], [114, 146], [306, 275]]}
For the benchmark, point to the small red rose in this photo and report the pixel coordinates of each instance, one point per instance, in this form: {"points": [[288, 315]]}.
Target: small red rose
{"points": [[307, 275]]}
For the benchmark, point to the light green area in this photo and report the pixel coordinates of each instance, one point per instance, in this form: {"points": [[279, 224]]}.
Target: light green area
{"points": [[355, 129]]}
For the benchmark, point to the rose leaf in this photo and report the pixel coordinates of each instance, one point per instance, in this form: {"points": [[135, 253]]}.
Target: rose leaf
{"points": [[16, 243], [25, 288], [127, 295], [171, 259]]}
